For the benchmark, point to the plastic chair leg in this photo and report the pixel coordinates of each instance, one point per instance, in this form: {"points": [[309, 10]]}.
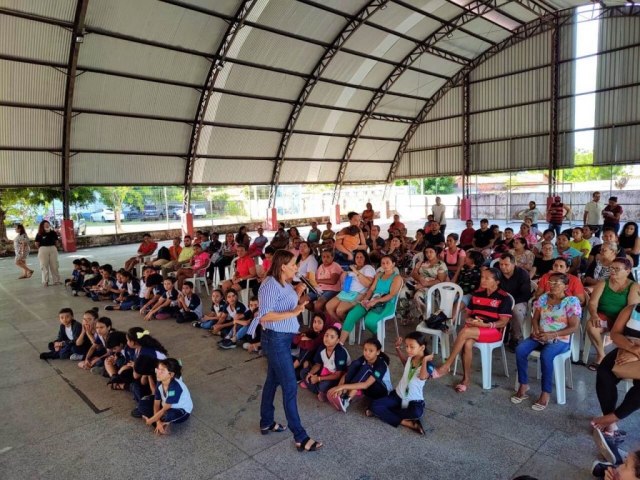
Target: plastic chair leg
{"points": [[559, 374], [395, 320], [587, 348], [504, 361], [485, 355]]}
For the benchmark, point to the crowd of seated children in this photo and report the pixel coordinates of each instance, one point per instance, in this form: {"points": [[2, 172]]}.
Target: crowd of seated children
{"points": [[238, 331]]}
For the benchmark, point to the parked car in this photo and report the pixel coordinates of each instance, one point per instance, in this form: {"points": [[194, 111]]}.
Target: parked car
{"points": [[133, 214], [150, 213], [104, 215], [196, 210]]}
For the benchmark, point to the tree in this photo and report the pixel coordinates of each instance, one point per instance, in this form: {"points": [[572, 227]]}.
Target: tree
{"points": [[431, 185], [584, 171], [22, 201], [116, 197]]}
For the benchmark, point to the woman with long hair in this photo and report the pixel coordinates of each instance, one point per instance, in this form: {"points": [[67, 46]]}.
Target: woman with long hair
{"points": [[21, 248], [47, 244], [278, 315], [630, 241]]}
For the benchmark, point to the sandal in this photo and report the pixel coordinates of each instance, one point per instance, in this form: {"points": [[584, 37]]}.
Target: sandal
{"points": [[308, 445], [118, 386], [114, 379], [461, 388], [517, 399], [538, 407], [593, 366], [275, 427]]}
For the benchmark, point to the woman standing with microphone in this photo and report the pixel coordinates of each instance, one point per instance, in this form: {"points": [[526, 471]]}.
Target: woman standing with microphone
{"points": [[279, 309], [47, 244]]}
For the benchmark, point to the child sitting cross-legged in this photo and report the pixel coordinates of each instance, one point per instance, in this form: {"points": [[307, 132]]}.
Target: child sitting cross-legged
{"points": [[98, 351], [240, 326], [218, 309], [119, 363], [167, 305], [368, 375], [77, 277], [172, 401], [103, 290], [329, 364], [65, 343], [189, 303], [308, 342], [127, 291], [234, 309]]}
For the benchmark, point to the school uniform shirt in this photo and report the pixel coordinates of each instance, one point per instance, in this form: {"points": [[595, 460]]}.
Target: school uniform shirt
{"points": [[337, 362], [489, 308], [171, 295], [194, 304], [221, 307], [410, 387], [142, 292], [233, 311], [177, 395], [380, 369], [158, 290], [151, 353], [69, 334]]}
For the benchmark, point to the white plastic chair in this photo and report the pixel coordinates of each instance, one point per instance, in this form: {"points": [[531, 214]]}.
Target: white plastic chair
{"points": [[450, 301], [635, 271], [628, 383], [197, 280], [140, 265], [494, 262]]}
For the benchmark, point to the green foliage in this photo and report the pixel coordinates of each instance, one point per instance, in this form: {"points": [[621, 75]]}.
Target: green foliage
{"points": [[431, 185], [584, 170]]}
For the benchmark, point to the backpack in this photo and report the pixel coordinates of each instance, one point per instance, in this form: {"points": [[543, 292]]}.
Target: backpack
{"points": [[164, 254]]}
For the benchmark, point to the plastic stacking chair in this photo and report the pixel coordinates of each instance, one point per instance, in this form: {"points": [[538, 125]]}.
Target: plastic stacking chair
{"points": [[201, 279], [450, 296]]}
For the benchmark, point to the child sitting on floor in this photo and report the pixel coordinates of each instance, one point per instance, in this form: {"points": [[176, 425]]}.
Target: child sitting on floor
{"points": [[368, 375], [154, 294], [94, 360], [308, 341], [103, 290], [172, 401], [240, 326], [329, 364], [218, 308], [91, 277], [234, 309], [119, 363], [86, 339], [167, 304], [65, 343], [405, 405], [77, 277], [148, 351], [190, 305]]}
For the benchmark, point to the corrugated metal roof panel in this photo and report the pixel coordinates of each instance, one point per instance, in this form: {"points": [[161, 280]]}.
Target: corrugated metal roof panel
{"points": [[30, 168], [119, 94], [96, 169], [233, 141], [350, 8], [509, 122], [329, 121], [621, 67], [566, 150], [226, 7], [157, 21], [616, 107], [510, 155], [395, 105], [363, 172], [403, 20], [225, 172], [566, 113], [34, 40], [437, 64], [518, 88], [316, 146], [24, 127], [440, 9], [101, 132], [449, 104], [567, 41], [382, 128], [616, 145], [404, 169], [31, 84], [128, 57], [430, 163], [349, 68], [60, 9], [518, 11], [618, 32], [337, 96], [416, 83], [489, 30], [373, 41], [265, 48], [441, 132], [239, 78], [532, 52], [302, 19], [246, 111], [309, 172], [463, 44], [375, 150], [566, 78]]}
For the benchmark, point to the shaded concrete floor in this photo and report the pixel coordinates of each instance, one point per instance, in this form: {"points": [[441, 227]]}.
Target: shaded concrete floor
{"points": [[61, 422]]}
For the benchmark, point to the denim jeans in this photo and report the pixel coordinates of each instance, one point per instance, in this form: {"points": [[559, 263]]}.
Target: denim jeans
{"points": [[276, 346], [389, 409], [548, 352]]}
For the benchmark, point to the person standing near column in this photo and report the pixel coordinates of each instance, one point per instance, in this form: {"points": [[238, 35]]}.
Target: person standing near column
{"points": [[611, 214], [47, 244], [592, 214], [21, 249], [439, 214], [278, 314]]}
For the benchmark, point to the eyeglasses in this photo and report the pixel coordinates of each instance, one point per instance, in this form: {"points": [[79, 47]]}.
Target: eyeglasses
{"points": [[556, 283], [616, 269]]}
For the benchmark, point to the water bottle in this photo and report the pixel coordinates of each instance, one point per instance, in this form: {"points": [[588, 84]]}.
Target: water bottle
{"points": [[347, 283]]}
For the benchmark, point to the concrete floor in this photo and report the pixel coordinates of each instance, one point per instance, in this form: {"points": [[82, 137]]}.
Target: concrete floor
{"points": [[61, 422]]}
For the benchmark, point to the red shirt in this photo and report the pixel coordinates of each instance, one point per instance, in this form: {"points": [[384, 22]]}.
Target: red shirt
{"points": [[174, 252], [147, 248], [574, 288], [489, 308], [244, 265], [466, 237]]}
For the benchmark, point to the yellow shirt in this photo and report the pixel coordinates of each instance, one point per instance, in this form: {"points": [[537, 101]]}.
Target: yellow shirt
{"points": [[187, 253], [581, 245]]}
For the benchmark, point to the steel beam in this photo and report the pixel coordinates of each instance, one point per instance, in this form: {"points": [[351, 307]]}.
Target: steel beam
{"points": [[216, 67], [474, 10], [553, 108], [466, 135], [350, 28], [77, 37]]}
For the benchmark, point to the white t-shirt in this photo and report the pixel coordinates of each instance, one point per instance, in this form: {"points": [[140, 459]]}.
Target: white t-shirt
{"points": [[356, 286], [306, 266], [69, 332], [594, 241], [410, 389], [593, 211], [439, 212]]}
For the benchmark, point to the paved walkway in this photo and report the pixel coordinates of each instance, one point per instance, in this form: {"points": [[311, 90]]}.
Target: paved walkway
{"points": [[61, 422]]}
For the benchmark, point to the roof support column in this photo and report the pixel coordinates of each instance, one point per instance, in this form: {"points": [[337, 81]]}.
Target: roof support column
{"points": [[466, 146], [77, 37], [553, 108]]}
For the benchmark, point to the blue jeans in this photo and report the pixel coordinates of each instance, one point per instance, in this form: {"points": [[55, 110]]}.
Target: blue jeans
{"points": [[173, 415], [276, 346], [548, 352], [556, 227], [389, 409]]}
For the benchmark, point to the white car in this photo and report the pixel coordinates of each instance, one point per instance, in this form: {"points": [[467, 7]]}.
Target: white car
{"points": [[104, 215]]}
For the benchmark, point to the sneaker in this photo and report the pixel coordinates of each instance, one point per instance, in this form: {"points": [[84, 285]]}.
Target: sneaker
{"points": [[196, 324], [599, 468], [344, 403], [76, 357], [47, 356], [109, 307], [607, 448], [135, 413], [227, 344], [245, 345], [97, 370]]}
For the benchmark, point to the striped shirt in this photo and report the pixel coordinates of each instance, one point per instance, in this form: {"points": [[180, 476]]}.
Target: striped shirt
{"points": [[489, 308], [274, 297]]}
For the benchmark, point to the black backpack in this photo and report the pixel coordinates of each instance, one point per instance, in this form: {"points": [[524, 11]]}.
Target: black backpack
{"points": [[164, 254]]}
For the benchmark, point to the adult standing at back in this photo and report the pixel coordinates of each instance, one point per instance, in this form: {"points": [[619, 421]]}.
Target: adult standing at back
{"points": [[47, 245], [556, 213], [533, 213], [611, 214], [21, 249], [593, 214], [439, 214], [278, 315]]}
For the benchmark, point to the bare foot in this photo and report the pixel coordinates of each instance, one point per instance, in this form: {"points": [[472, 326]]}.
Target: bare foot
{"points": [[604, 422]]}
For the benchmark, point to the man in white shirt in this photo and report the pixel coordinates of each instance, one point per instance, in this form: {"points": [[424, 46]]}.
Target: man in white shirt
{"points": [[592, 214], [439, 214]]}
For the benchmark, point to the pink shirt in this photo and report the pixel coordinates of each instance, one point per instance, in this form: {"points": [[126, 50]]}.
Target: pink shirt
{"points": [[198, 263], [324, 273]]}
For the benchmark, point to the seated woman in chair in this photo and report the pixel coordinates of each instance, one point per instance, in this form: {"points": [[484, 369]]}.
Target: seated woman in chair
{"points": [[378, 302], [197, 266], [353, 290], [555, 317], [488, 313], [608, 299]]}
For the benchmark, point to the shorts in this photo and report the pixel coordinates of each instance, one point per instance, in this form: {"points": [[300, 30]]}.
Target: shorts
{"points": [[327, 295], [605, 323], [348, 296], [489, 335]]}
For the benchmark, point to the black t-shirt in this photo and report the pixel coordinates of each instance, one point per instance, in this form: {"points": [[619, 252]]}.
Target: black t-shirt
{"points": [[519, 285], [543, 266], [483, 239], [433, 238], [47, 239]]}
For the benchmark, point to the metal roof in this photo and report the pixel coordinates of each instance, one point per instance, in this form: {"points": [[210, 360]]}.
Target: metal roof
{"points": [[275, 91]]}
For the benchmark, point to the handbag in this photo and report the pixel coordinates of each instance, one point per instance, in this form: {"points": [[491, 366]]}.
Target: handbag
{"points": [[629, 370], [437, 321]]}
